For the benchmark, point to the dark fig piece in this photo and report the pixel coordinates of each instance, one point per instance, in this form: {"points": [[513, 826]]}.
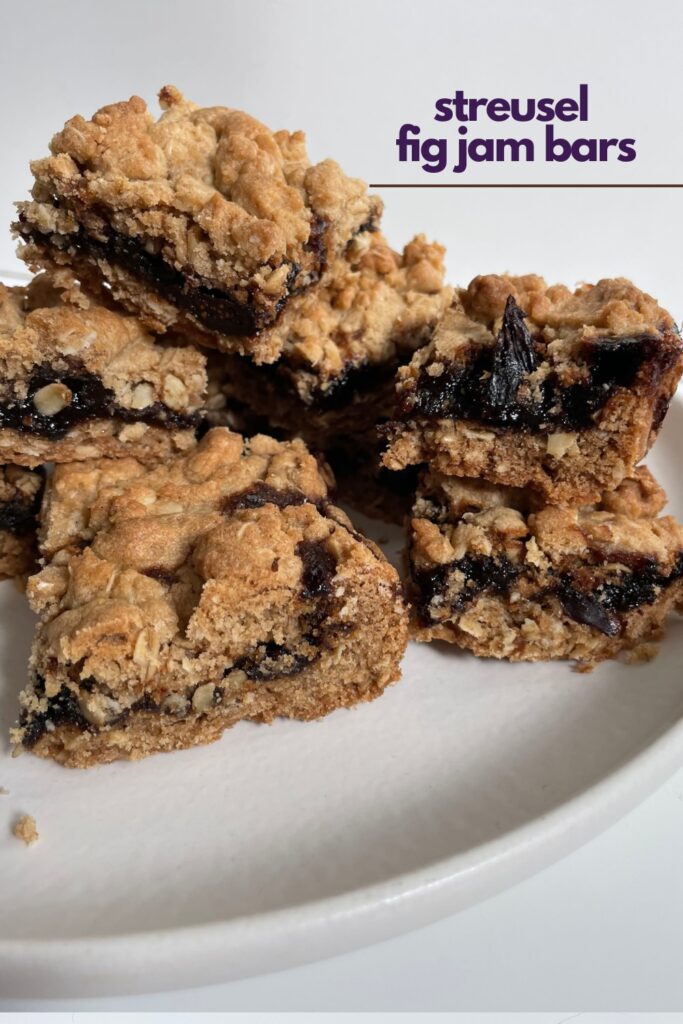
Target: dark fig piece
{"points": [[318, 568], [260, 494], [272, 660], [62, 709], [514, 356], [481, 573], [587, 609]]}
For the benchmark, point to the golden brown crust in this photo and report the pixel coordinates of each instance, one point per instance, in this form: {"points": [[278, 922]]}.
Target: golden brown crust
{"points": [[613, 306], [220, 587], [109, 439], [85, 501], [638, 496], [370, 305], [37, 327], [45, 333], [19, 485], [562, 457], [497, 571], [211, 190]]}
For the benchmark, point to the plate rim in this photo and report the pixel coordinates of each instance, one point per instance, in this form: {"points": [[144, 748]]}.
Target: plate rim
{"points": [[193, 955], [245, 946]]}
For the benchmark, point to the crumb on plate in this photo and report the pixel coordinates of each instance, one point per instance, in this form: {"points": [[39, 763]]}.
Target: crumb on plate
{"points": [[25, 829]]}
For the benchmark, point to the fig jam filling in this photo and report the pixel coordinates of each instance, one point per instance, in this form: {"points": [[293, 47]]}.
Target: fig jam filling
{"points": [[318, 569], [216, 309], [488, 388], [480, 573], [62, 709], [90, 400], [355, 381], [259, 494], [19, 517], [271, 659], [268, 660], [598, 607]]}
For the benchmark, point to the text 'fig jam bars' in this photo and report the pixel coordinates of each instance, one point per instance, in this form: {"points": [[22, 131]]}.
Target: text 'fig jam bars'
{"points": [[529, 385], [176, 601], [202, 219], [20, 493], [81, 380], [497, 571]]}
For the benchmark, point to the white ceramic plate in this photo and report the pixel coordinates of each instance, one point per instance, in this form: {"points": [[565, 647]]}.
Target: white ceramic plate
{"points": [[292, 842]]}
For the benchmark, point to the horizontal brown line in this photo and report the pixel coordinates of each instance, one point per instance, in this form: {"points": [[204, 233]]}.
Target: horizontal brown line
{"points": [[515, 184]]}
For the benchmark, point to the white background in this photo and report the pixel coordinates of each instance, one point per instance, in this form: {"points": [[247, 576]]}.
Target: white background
{"points": [[604, 928]]}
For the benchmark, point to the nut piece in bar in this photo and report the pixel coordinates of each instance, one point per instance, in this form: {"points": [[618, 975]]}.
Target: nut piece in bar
{"points": [[496, 571], [341, 343], [529, 385], [176, 601], [201, 219], [81, 381], [20, 493]]}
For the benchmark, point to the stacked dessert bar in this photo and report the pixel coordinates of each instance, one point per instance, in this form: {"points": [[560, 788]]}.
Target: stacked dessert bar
{"points": [[178, 600], [207, 225], [533, 534], [214, 322], [339, 346], [190, 576]]}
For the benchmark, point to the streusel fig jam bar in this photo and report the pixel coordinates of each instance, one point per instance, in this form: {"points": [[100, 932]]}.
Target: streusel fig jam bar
{"points": [[529, 385], [341, 343], [203, 218], [80, 380], [176, 601], [497, 571]]}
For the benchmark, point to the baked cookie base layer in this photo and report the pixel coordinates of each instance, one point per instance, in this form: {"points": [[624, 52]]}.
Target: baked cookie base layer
{"points": [[96, 439], [538, 630], [311, 695], [562, 467], [134, 294]]}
